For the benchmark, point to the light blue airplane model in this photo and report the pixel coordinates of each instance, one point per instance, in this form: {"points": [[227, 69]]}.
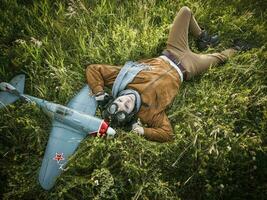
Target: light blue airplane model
{"points": [[71, 124]]}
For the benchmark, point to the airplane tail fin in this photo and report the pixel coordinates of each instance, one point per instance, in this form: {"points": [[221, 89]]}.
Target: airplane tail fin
{"points": [[12, 91]]}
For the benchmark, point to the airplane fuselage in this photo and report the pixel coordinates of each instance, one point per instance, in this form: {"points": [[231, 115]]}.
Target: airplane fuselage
{"points": [[85, 123]]}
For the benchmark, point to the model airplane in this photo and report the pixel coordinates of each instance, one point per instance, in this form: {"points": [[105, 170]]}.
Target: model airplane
{"points": [[71, 124]]}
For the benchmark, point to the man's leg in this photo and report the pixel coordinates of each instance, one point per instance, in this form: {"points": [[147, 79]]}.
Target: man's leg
{"points": [[177, 44], [198, 63], [178, 36]]}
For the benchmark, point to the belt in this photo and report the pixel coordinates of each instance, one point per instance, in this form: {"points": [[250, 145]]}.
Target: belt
{"points": [[179, 67]]}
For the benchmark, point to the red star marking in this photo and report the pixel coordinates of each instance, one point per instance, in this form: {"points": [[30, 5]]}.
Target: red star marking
{"points": [[58, 157]]}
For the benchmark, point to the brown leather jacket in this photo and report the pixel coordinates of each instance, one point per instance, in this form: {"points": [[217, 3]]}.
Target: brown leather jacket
{"points": [[157, 86]]}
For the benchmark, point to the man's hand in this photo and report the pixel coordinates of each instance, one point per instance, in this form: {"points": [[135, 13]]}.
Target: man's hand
{"points": [[137, 128], [102, 98]]}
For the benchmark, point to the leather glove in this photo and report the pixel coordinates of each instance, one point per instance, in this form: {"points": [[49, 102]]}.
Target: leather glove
{"points": [[137, 128], [102, 98]]}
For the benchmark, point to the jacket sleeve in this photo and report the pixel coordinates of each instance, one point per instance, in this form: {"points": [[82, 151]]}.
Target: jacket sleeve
{"points": [[160, 129], [99, 76]]}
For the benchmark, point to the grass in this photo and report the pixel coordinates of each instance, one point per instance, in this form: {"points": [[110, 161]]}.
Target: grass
{"points": [[219, 118]]}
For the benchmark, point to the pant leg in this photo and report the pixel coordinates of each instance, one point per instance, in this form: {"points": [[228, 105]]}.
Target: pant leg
{"points": [[198, 63], [178, 36]]}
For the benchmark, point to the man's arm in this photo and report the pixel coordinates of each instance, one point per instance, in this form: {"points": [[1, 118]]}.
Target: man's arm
{"points": [[99, 76], [160, 130]]}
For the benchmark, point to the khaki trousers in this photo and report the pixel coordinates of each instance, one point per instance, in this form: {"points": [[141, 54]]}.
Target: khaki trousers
{"points": [[177, 44]]}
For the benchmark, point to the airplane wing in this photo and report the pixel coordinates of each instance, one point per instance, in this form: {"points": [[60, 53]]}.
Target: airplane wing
{"points": [[84, 102], [64, 140]]}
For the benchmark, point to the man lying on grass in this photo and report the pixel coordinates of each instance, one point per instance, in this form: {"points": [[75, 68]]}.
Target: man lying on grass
{"points": [[144, 89]]}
